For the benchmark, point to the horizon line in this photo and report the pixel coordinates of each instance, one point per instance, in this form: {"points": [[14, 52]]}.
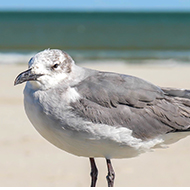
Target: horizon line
{"points": [[98, 10]]}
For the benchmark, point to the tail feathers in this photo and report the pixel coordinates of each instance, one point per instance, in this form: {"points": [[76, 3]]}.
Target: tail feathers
{"points": [[174, 110], [182, 93]]}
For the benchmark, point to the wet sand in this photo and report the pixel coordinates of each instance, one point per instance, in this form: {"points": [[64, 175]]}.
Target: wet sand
{"points": [[26, 159]]}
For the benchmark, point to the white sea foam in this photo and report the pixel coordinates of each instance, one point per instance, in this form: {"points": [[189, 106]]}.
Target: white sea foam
{"points": [[15, 58], [88, 57]]}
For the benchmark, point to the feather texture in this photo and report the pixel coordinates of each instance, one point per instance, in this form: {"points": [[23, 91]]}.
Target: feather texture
{"points": [[127, 101]]}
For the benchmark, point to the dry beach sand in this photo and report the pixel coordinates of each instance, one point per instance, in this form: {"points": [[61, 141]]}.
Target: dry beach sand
{"points": [[26, 159]]}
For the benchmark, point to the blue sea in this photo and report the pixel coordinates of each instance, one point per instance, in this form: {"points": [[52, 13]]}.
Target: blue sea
{"points": [[127, 36]]}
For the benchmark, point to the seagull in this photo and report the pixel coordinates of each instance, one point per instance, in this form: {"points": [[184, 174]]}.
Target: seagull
{"points": [[92, 114]]}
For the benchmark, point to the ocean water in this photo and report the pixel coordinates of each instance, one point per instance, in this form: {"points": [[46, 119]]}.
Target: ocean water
{"points": [[132, 37]]}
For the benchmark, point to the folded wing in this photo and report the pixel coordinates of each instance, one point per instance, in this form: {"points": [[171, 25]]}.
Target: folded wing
{"points": [[127, 101]]}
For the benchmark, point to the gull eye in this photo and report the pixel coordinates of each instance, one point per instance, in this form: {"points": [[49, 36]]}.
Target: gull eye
{"points": [[55, 66]]}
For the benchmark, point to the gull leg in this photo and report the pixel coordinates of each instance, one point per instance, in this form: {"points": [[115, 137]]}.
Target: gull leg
{"points": [[94, 172], [111, 174]]}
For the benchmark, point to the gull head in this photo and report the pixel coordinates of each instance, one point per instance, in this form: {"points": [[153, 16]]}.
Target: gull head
{"points": [[47, 69]]}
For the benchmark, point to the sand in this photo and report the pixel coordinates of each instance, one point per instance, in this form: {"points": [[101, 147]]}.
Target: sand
{"points": [[26, 159]]}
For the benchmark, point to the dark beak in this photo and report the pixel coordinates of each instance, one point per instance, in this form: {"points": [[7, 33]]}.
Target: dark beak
{"points": [[26, 76]]}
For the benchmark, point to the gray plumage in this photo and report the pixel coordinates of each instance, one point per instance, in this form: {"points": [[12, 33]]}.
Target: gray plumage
{"points": [[123, 100]]}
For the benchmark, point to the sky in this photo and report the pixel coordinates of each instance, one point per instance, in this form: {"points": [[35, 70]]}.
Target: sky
{"points": [[94, 5]]}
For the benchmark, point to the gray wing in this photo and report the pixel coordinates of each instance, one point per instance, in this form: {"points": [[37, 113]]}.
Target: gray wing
{"points": [[122, 100], [111, 89]]}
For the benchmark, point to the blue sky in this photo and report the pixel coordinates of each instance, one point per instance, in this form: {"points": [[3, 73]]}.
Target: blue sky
{"points": [[181, 5]]}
